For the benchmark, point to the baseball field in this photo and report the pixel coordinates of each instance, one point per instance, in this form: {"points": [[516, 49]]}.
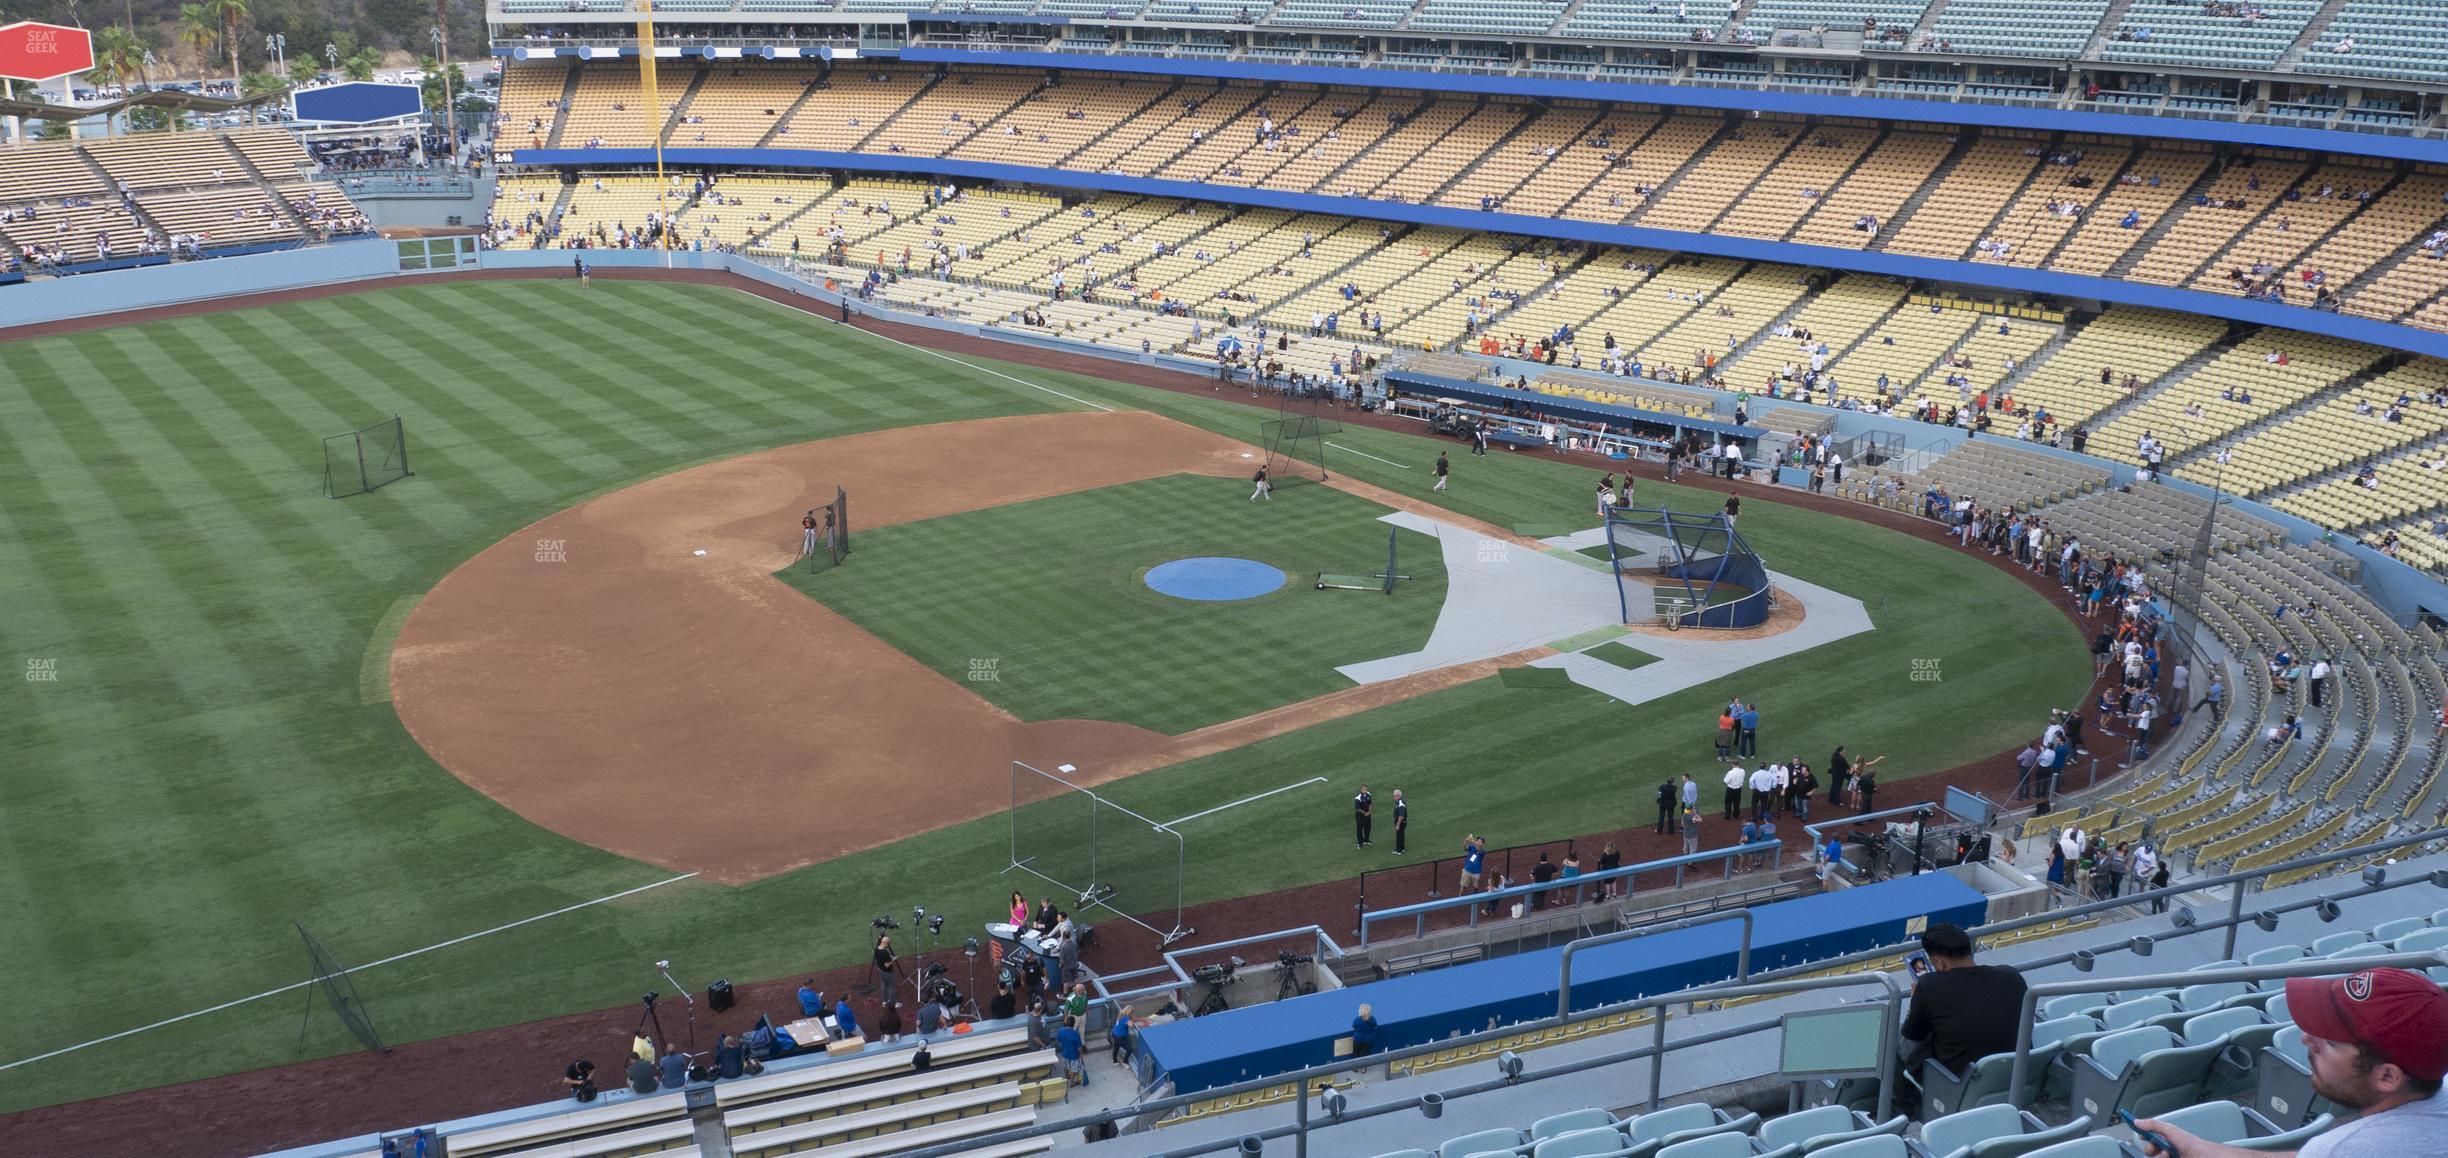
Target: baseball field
{"points": [[507, 686]]}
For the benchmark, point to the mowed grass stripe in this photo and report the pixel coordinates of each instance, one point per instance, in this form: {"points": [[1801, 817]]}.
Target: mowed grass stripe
{"points": [[591, 441], [148, 576], [234, 422], [599, 344], [785, 389], [245, 526]]}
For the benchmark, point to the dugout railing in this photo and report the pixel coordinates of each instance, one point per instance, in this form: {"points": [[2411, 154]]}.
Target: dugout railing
{"points": [[1822, 976]]}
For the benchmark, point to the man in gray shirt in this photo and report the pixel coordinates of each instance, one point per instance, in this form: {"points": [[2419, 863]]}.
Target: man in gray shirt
{"points": [[2378, 1043]]}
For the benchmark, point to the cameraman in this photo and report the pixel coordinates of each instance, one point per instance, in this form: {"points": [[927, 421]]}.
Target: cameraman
{"points": [[884, 960]]}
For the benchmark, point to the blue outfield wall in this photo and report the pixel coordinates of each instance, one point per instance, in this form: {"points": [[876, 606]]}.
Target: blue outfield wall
{"points": [[1280, 1037], [1821, 104], [1928, 269]]}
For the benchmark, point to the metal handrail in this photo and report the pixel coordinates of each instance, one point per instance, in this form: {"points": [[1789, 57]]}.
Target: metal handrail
{"points": [[2306, 967], [1419, 911], [1742, 954], [1892, 997]]}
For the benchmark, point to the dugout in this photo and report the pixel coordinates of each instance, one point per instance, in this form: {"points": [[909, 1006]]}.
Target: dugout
{"points": [[1279, 1037]]}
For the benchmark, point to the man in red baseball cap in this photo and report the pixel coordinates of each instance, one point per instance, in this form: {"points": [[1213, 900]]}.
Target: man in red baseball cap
{"points": [[2378, 1041]]}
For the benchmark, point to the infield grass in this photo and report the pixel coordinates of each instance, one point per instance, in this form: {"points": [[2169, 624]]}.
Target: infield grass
{"points": [[1043, 608], [206, 766]]}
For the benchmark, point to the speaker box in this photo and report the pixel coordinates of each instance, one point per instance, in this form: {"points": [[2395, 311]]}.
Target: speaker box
{"points": [[718, 996]]}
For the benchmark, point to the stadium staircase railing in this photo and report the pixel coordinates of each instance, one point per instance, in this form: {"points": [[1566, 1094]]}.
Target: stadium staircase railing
{"points": [[1869, 968]]}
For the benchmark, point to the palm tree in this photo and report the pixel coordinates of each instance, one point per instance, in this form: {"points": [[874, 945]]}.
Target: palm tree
{"points": [[231, 13], [118, 54], [360, 65], [198, 28]]}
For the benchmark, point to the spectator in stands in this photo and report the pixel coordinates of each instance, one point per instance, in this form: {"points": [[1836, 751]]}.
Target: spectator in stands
{"points": [[1067, 1047], [2378, 1044], [1962, 1011], [579, 1078], [845, 1020], [730, 1058], [811, 999], [675, 1066], [1364, 1031], [641, 1075]]}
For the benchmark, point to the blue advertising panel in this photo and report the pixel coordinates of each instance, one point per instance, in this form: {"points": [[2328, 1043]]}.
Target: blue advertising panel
{"points": [[357, 103]]}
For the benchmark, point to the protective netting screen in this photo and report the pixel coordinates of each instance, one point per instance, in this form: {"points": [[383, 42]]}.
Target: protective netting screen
{"points": [[1091, 853], [363, 460], [1695, 566]]}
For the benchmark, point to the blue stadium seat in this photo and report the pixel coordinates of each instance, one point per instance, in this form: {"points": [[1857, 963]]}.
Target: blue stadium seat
{"points": [[1723, 1146], [1675, 1124], [2282, 1082], [2234, 1125], [1480, 1143], [2144, 1070], [1823, 1126], [1572, 1121], [2091, 1147], [2422, 939], [2275, 955], [1875, 1146], [2336, 941], [1999, 1131], [2128, 1014], [1601, 1142], [2198, 998], [2390, 931]]}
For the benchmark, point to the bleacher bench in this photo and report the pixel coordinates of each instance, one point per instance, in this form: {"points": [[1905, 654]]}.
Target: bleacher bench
{"points": [[1434, 959], [797, 1138], [867, 1066], [1034, 1066], [574, 1126]]}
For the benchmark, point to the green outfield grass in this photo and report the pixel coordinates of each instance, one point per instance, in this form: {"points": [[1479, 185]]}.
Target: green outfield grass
{"points": [[1077, 634], [211, 761]]}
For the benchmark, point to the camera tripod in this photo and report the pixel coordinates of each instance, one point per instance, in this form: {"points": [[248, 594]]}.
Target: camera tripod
{"points": [[647, 1019], [1214, 1001]]}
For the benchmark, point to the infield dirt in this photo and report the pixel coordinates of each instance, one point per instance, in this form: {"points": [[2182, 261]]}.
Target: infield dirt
{"points": [[594, 667]]}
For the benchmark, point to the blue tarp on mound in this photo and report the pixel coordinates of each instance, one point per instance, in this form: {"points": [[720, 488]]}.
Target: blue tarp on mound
{"points": [[1283, 1036]]}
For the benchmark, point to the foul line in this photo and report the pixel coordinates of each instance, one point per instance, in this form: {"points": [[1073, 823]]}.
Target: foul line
{"points": [[1364, 454], [1168, 825], [351, 969], [939, 354]]}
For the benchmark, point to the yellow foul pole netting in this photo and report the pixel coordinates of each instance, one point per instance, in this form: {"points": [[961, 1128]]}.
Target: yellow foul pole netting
{"points": [[655, 116]]}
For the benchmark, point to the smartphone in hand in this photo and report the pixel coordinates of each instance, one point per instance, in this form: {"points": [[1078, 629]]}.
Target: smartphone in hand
{"points": [[2157, 1141]]}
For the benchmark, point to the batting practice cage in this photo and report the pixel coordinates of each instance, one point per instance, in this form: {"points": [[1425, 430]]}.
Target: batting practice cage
{"points": [[1295, 439], [832, 533], [1686, 570], [1381, 581], [1098, 853], [362, 460]]}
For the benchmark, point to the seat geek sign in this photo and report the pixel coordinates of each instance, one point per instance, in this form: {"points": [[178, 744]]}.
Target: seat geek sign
{"points": [[39, 52]]}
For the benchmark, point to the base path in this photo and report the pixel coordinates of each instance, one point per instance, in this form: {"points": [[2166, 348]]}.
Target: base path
{"points": [[594, 667]]}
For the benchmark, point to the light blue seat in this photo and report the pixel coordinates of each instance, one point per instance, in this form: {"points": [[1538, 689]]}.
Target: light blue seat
{"points": [[2069, 1004], [1723, 1146], [1596, 1142], [1874, 1146], [2282, 1082], [2217, 1024], [2091, 1147], [2143, 1070], [2366, 949], [2336, 941], [2422, 939], [2391, 930], [1999, 1131], [2275, 955], [2196, 998], [2277, 1010], [1943, 1091], [1656, 1131], [1412, 1153], [1480, 1143], [1818, 1128], [2128, 1014], [2235, 1125], [1571, 1121], [2208, 965]]}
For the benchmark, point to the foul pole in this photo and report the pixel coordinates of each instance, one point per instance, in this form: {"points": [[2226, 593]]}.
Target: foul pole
{"points": [[655, 118]]}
